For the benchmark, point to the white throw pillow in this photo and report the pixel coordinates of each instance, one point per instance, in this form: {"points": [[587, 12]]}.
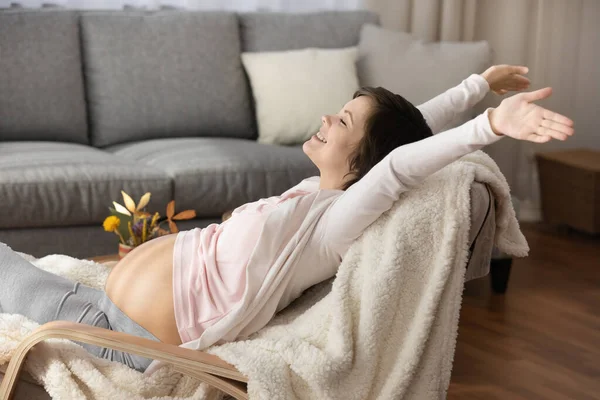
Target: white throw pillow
{"points": [[293, 89], [416, 69]]}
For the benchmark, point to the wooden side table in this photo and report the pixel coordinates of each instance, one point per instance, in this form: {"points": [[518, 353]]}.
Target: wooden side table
{"points": [[570, 188]]}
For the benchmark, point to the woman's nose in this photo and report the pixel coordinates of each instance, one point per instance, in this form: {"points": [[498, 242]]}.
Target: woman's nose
{"points": [[326, 119]]}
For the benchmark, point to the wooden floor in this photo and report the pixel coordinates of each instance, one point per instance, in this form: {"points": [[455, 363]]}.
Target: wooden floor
{"points": [[540, 340]]}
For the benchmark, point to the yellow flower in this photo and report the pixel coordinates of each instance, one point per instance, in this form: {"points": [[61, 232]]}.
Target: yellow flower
{"points": [[111, 223]]}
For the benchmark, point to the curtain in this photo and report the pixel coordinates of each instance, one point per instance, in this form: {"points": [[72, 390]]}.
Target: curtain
{"points": [[229, 5], [433, 20]]}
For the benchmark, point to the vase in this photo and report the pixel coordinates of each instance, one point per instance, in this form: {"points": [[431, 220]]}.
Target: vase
{"points": [[124, 249]]}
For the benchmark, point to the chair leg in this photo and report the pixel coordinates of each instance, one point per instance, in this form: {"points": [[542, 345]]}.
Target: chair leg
{"points": [[499, 274]]}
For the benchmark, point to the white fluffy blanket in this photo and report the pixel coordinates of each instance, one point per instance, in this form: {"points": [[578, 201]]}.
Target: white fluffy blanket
{"points": [[383, 328]]}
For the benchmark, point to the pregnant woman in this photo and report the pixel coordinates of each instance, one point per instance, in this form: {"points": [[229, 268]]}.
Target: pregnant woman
{"points": [[177, 287]]}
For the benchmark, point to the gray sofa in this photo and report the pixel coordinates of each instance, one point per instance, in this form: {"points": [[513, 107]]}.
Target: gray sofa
{"points": [[95, 102]]}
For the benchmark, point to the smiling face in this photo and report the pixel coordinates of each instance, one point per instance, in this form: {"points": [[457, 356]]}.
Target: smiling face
{"points": [[341, 133]]}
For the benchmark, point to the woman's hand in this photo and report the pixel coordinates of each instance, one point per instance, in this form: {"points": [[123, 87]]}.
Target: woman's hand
{"points": [[505, 78], [518, 117]]}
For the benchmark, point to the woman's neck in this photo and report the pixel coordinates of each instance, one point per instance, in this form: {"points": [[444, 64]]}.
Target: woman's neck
{"points": [[330, 182]]}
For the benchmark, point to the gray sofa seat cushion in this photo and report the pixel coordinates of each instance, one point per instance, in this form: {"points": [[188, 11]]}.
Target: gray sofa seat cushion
{"points": [[58, 184], [213, 175], [278, 31], [164, 74], [41, 85]]}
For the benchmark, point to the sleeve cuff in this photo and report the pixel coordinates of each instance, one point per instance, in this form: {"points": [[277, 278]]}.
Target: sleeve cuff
{"points": [[480, 81], [490, 136]]}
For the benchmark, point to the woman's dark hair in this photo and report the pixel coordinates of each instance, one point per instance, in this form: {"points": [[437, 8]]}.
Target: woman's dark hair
{"points": [[393, 122]]}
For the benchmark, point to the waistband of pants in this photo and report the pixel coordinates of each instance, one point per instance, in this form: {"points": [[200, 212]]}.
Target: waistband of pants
{"points": [[122, 322]]}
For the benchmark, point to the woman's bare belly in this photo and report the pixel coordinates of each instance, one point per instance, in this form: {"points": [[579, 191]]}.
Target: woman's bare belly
{"points": [[141, 285]]}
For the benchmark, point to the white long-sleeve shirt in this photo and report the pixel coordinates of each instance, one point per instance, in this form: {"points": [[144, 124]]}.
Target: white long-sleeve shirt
{"points": [[231, 278]]}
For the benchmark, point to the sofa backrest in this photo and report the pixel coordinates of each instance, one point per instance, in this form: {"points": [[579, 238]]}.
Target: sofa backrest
{"points": [[164, 74], [146, 75], [41, 85], [267, 31]]}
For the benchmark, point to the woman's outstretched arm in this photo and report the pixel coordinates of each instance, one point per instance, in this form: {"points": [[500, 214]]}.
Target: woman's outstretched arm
{"points": [[407, 166], [442, 109]]}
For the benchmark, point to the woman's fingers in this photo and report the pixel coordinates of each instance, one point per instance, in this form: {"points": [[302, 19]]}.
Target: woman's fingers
{"points": [[537, 94], [557, 126], [516, 88], [520, 80], [512, 83], [542, 130], [539, 139], [551, 115], [516, 80], [520, 69]]}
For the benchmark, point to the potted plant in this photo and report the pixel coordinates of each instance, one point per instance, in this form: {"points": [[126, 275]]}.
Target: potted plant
{"points": [[134, 225]]}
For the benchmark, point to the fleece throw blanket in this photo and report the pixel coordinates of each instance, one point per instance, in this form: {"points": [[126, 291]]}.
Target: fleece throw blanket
{"points": [[383, 328]]}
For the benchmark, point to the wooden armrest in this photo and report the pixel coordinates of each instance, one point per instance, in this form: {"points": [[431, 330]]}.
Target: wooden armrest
{"points": [[201, 365]]}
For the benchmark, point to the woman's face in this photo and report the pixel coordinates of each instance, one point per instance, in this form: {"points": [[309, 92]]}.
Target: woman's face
{"points": [[341, 132]]}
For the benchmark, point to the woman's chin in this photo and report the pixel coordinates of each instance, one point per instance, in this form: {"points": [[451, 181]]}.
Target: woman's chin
{"points": [[306, 147], [308, 150]]}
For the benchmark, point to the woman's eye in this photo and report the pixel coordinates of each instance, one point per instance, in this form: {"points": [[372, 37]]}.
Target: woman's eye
{"points": [[342, 121]]}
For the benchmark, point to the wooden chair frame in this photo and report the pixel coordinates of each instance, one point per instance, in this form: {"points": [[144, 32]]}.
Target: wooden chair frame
{"points": [[198, 364]]}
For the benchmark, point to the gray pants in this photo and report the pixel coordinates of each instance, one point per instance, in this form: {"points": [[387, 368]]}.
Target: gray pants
{"points": [[42, 297]]}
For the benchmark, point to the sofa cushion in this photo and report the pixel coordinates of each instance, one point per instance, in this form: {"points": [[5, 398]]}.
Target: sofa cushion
{"points": [[277, 31], [213, 175], [302, 75], [41, 86], [164, 74], [416, 69], [53, 184]]}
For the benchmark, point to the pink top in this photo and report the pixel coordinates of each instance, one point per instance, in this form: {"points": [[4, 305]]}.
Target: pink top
{"points": [[209, 263]]}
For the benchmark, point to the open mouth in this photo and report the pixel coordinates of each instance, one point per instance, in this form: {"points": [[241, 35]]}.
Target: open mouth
{"points": [[320, 137]]}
